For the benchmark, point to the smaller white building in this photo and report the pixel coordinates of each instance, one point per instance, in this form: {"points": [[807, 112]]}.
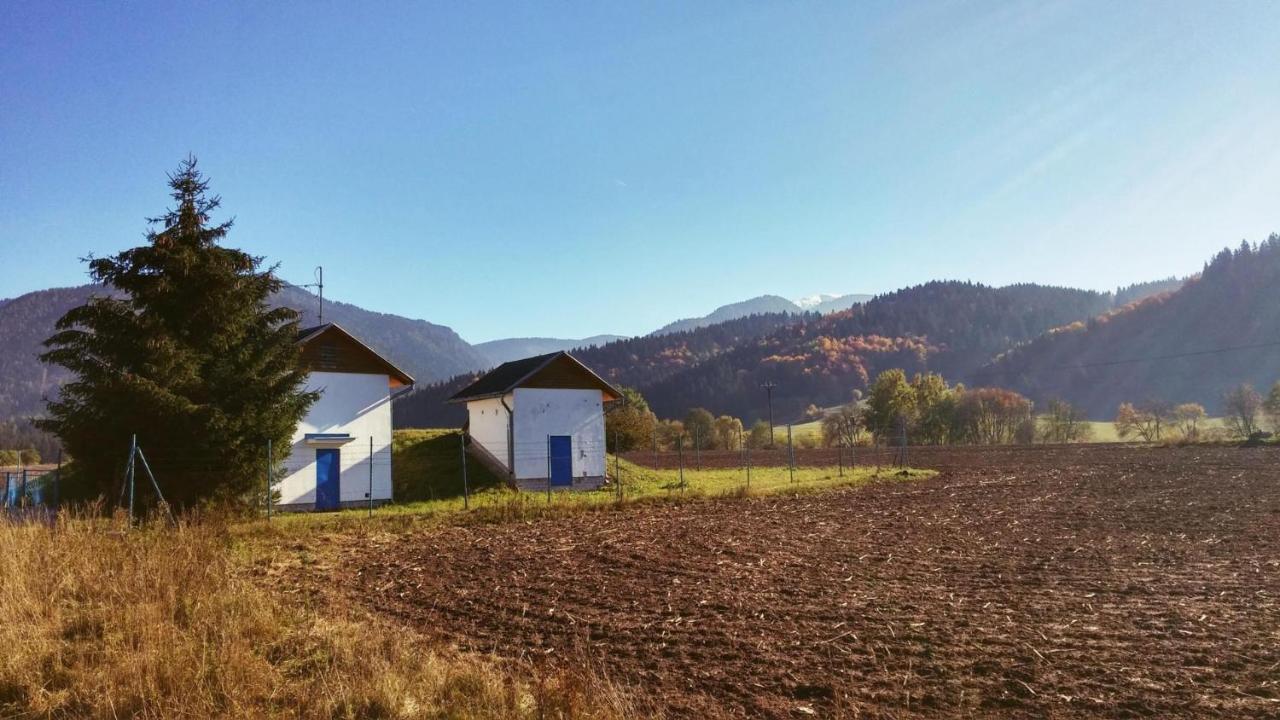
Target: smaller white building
{"points": [[341, 451], [540, 421]]}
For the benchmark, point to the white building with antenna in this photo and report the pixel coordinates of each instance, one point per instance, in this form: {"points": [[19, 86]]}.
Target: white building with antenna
{"points": [[341, 452]]}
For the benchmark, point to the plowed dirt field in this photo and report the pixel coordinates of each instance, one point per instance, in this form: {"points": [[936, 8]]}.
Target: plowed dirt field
{"points": [[1064, 582]]}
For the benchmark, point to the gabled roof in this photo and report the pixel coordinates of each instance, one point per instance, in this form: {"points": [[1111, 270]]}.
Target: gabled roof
{"points": [[535, 372], [374, 360]]}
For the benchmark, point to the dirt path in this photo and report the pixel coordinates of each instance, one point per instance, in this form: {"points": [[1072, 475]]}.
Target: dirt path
{"points": [[1143, 583]]}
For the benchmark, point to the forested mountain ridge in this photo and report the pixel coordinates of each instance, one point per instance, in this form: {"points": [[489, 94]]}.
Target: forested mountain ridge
{"points": [[814, 359], [1140, 291], [25, 323], [427, 351], [1190, 345], [955, 328], [945, 326]]}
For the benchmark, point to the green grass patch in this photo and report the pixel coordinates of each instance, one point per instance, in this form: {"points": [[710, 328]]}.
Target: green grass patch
{"points": [[809, 433], [427, 465], [1211, 429], [428, 482]]}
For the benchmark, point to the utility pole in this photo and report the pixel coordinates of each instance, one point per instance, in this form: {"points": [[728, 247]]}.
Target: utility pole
{"points": [[768, 386]]}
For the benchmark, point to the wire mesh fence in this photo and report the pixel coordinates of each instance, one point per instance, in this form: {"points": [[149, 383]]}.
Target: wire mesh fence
{"points": [[29, 491]]}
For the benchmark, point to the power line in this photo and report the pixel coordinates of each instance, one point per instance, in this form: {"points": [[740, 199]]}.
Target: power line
{"points": [[1129, 361]]}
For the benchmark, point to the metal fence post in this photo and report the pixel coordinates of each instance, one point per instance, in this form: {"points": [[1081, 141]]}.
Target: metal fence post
{"points": [[904, 442], [791, 455], [840, 455], [269, 478], [742, 450], [466, 487], [133, 452], [617, 463], [680, 458], [370, 494], [875, 439], [548, 469], [697, 447], [900, 457], [57, 483]]}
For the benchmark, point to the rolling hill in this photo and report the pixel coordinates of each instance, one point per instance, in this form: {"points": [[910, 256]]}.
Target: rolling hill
{"points": [[500, 351], [762, 305], [765, 305]]}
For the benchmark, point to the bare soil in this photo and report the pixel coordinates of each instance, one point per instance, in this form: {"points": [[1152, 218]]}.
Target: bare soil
{"points": [[1064, 582]]}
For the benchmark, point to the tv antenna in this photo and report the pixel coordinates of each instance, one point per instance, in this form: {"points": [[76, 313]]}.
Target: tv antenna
{"points": [[319, 286]]}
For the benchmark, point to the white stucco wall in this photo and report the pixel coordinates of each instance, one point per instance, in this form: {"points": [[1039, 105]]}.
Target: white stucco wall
{"points": [[578, 413], [354, 403], [488, 426]]}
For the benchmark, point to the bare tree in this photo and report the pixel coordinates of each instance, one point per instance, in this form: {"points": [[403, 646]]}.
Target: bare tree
{"points": [[1146, 421], [842, 427], [1242, 405], [1064, 423], [1187, 418]]}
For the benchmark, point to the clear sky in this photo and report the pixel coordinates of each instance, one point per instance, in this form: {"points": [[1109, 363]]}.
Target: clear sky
{"points": [[570, 168]]}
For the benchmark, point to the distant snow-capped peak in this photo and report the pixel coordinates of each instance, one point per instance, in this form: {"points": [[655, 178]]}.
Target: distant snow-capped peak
{"points": [[809, 301]]}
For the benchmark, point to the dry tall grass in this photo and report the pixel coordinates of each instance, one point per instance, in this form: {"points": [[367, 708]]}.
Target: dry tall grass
{"points": [[97, 621]]}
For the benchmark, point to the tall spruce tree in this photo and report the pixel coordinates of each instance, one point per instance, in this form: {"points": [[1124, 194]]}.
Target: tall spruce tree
{"points": [[186, 353]]}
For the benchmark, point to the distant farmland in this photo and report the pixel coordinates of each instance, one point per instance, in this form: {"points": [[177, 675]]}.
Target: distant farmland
{"points": [[1102, 431]]}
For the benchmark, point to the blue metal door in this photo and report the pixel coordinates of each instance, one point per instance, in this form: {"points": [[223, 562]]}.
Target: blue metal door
{"points": [[327, 485], [561, 450]]}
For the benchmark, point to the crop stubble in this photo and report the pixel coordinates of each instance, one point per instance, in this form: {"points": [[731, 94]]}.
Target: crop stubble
{"points": [[1068, 581]]}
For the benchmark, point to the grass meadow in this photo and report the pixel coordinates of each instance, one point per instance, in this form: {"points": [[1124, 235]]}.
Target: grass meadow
{"points": [[102, 621]]}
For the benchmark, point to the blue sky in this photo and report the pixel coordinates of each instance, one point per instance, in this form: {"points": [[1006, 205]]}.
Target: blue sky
{"points": [[565, 169]]}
